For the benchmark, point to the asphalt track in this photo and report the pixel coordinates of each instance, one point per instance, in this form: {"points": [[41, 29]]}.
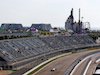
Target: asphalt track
{"points": [[80, 68], [92, 68], [61, 64]]}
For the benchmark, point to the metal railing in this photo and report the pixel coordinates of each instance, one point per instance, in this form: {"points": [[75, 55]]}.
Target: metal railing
{"points": [[71, 67]]}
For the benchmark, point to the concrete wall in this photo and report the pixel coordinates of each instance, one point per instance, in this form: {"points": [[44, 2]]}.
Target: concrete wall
{"points": [[20, 34]]}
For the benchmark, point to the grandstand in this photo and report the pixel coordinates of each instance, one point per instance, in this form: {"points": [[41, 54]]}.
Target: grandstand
{"points": [[15, 53]]}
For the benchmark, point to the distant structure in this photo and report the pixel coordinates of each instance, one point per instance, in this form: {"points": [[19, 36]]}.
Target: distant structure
{"points": [[75, 26], [12, 26], [54, 30], [42, 27]]}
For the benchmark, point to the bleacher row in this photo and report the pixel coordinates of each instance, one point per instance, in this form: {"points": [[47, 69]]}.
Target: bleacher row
{"points": [[18, 49]]}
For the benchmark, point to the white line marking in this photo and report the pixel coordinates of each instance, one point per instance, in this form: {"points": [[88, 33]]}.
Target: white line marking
{"points": [[97, 60], [87, 68], [44, 63], [78, 65], [82, 62]]}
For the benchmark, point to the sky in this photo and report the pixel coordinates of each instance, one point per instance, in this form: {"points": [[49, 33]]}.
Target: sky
{"points": [[54, 12]]}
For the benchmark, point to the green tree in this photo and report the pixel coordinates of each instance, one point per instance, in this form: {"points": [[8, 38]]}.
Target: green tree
{"points": [[6, 37], [2, 37]]}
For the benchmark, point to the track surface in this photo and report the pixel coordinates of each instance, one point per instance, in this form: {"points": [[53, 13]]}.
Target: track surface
{"points": [[4, 72], [92, 68], [80, 68], [61, 64]]}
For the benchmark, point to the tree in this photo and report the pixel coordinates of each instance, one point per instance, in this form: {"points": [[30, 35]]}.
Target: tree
{"points": [[6, 37], [12, 37], [2, 37]]}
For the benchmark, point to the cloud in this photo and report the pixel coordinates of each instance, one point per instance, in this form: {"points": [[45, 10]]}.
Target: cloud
{"points": [[48, 11]]}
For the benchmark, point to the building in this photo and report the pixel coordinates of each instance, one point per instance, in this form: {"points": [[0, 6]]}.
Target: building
{"points": [[42, 27], [11, 26], [75, 26], [54, 30], [69, 22]]}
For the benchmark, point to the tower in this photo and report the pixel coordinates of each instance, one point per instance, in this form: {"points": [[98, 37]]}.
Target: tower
{"points": [[80, 24], [79, 14], [72, 18], [69, 22]]}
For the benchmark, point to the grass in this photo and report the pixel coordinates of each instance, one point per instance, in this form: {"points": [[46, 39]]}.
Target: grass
{"points": [[94, 48], [12, 70], [45, 64], [56, 59], [41, 66]]}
